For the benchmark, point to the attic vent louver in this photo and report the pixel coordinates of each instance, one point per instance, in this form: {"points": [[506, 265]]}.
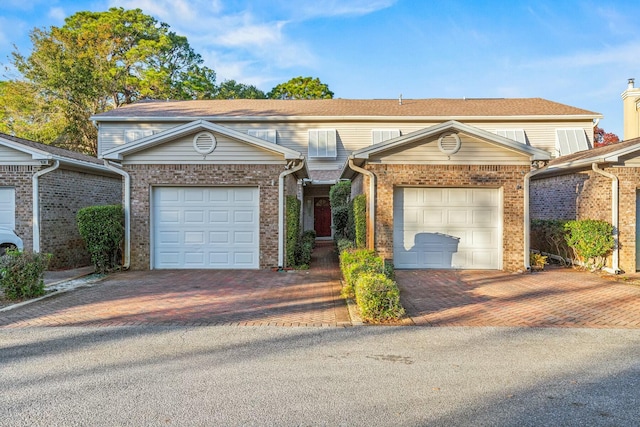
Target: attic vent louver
{"points": [[449, 143], [204, 143]]}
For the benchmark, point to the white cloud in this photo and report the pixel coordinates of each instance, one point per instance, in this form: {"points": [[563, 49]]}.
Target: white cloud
{"points": [[57, 14], [308, 9], [626, 54]]}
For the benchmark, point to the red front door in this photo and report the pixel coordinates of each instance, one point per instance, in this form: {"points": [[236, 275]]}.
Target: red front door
{"points": [[322, 217]]}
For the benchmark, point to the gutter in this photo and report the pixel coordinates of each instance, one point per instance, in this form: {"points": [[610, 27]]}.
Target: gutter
{"points": [[127, 211], [286, 172], [527, 216], [615, 260], [36, 203], [371, 240]]}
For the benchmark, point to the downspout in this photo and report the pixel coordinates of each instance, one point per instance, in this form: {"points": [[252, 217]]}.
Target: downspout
{"points": [[371, 237], [615, 259], [127, 211], [286, 172], [527, 216], [36, 204]]}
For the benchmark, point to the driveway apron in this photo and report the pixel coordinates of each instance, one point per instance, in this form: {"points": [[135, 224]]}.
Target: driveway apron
{"points": [[553, 298], [199, 297]]}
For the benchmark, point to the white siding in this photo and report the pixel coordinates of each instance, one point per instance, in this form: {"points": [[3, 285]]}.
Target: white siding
{"points": [[9, 156], [227, 151], [354, 135], [471, 152]]}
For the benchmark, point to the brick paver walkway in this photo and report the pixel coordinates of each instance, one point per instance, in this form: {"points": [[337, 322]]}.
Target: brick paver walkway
{"points": [[553, 298], [201, 297]]}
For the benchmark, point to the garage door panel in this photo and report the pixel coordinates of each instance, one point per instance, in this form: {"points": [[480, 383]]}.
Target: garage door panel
{"points": [[455, 228], [208, 231]]}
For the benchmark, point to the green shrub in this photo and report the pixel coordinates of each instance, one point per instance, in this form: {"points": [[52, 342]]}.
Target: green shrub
{"points": [[102, 228], [292, 211], [309, 236], [339, 198], [344, 244], [21, 274], [360, 220], [592, 240], [378, 297], [537, 261]]}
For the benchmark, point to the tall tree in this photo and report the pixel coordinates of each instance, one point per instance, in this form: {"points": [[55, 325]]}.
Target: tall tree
{"points": [[230, 89], [101, 60], [602, 137], [301, 88]]}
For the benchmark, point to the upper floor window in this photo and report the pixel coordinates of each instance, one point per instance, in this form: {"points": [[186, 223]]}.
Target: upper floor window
{"points": [[571, 140], [514, 134], [133, 134], [380, 135], [322, 143], [266, 134]]}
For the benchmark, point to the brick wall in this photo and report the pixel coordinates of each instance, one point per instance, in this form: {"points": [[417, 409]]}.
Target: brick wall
{"points": [[19, 177], [63, 193], [509, 178], [144, 176]]}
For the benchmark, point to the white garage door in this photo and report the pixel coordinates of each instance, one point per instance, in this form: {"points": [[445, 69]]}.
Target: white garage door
{"points": [[213, 227], [8, 207], [447, 228]]}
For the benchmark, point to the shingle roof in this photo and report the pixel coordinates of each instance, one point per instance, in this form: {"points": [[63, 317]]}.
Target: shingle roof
{"points": [[347, 107], [595, 152], [55, 151]]}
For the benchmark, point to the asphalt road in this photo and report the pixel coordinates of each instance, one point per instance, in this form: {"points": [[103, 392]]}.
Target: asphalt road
{"points": [[360, 376]]}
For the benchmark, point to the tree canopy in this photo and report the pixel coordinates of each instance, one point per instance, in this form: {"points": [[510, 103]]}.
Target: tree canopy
{"points": [[602, 137], [101, 60], [230, 89], [301, 88]]}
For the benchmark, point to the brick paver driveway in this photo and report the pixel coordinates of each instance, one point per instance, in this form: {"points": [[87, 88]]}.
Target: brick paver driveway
{"points": [[553, 298], [201, 297]]}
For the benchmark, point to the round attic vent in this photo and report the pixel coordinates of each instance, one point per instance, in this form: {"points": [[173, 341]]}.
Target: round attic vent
{"points": [[204, 143], [449, 143]]}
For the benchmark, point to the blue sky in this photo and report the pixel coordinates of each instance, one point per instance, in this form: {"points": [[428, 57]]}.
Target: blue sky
{"points": [[579, 53]]}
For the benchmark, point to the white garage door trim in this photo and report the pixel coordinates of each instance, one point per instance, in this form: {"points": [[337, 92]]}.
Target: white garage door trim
{"points": [[8, 207], [446, 228], [205, 227]]}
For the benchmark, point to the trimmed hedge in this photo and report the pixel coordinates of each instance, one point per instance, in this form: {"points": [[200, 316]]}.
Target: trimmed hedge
{"points": [[340, 209], [360, 220], [21, 274], [592, 240], [102, 228], [378, 297], [292, 210], [368, 279]]}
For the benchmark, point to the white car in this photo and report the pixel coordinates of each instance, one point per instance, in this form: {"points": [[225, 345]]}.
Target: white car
{"points": [[9, 239]]}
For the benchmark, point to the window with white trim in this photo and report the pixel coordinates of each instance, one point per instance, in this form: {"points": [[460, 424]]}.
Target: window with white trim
{"points": [[133, 134], [266, 134], [571, 140], [514, 134], [322, 143], [380, 135]]}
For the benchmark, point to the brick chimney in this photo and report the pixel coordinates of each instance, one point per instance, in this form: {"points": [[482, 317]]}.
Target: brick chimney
{"points": [[631, 111]]}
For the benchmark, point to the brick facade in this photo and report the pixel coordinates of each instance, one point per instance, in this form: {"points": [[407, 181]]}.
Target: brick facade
{"points": [[143, 177], [62, 194], [19, 177], [508, 178], [591, 194]]}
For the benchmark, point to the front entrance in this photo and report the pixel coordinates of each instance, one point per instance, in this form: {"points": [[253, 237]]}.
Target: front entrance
{"points": [[322, 217]]}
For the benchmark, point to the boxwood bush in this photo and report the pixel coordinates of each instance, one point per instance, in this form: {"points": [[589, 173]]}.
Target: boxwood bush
{"points": [[369, 279], [378, 297], [102, 228], [592, 240], [21, 274]]}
